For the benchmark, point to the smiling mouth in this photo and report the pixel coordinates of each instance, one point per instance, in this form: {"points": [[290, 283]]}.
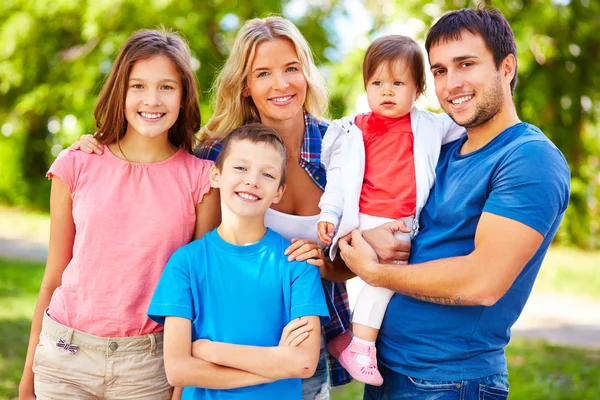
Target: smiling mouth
{"points": [[151, 116], [282, 99], [461, 100], [248, 196]]}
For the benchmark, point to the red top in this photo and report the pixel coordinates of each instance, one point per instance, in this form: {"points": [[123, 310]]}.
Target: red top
{"points": [[389, 186]]}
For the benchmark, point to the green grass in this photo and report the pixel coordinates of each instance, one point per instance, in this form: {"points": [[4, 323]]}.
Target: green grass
{"points": [[536, 370]]}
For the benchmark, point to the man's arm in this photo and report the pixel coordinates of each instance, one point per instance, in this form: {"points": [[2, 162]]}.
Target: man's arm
{"points": [[281, 362], [184, 370], [503, 247]]}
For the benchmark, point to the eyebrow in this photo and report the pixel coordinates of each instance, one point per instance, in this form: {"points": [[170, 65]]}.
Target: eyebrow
{"points": [[266, 69], [161, 81], [455, 60]]}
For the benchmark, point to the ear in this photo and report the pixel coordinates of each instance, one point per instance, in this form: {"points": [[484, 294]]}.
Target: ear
{"points": [[509, 67], [214, 176], [279, 194], [246, 92]]}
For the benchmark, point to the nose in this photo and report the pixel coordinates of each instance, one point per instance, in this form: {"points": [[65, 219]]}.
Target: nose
{"points": [[387, 90], [251, 180], [152, 98], [453, 81], [280, 82]]}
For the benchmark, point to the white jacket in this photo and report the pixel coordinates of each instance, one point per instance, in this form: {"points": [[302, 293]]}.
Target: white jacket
{"points": [[343, 154]]}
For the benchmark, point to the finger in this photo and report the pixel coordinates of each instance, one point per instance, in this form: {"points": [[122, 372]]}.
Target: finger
{"points": [[317, 262], [330, 230], [297, 244], [301, 338], [305, 248], [312, 254], [295, 333], [290, 327], [398, 226]]}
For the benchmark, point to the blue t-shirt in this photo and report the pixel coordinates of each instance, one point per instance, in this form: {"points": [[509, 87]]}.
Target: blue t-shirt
{"points": [[519, 175], [241, 295]]}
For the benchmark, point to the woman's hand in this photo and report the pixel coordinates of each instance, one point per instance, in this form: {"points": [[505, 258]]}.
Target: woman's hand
{"points": [[306, 250], [295, 332], [88, 144], [388, 248]]}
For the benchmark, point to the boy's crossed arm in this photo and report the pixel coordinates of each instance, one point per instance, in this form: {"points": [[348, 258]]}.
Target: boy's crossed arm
{"points": [[184, 369], [274, 363]]}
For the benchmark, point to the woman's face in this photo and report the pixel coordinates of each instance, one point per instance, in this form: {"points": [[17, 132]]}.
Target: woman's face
{"points": [[276, 82]]}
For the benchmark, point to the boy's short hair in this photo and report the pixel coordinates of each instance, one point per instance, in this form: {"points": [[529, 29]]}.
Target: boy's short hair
{"points": [[256, 133], [391, 49], [487, 22]]}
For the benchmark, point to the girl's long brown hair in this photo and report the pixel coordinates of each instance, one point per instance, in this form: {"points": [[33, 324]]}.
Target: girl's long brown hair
{"points": [[110, 109]]}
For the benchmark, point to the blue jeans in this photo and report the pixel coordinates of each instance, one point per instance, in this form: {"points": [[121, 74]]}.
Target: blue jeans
{"points": [[317, 386], [398, 386]]}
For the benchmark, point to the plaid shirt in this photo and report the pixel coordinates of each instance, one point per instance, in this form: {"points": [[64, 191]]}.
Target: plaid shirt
{"points": [[335, 292]]}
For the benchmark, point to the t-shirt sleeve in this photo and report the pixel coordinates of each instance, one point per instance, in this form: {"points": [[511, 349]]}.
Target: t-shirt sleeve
{"points": [[173, 295], [308, 297], [531, 186], [66, 167], [203, 182]]}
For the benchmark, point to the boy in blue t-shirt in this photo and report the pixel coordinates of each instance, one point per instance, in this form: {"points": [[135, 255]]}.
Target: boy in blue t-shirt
{"points": [[225, 299]]}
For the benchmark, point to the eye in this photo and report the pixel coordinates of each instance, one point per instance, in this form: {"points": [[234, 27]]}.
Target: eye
{"points": [[376, 83], [267, 175], [292, 69], [439, 72], [167, 87], [240, 168], [262, 74], [137, 86], [398, 83], [466, 64]]}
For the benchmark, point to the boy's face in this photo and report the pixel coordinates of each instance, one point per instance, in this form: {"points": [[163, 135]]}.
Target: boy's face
{"points": [[250, 180], [391, 90]]}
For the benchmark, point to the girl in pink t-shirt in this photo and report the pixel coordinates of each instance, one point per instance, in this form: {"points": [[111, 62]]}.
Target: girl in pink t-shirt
{"points": [[115, 221]]}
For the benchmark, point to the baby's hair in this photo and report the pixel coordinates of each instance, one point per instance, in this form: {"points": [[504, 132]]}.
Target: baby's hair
{"points": [[391, 49], [110, 109], [256, 133]]}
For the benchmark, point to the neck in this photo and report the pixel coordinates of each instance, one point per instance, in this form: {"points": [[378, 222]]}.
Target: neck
{"points": [[136, 148], [479, 136], [240, 230], [291, 132]]}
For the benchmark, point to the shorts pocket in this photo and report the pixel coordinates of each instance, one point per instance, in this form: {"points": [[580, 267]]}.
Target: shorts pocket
{"points": [[38, 353]]}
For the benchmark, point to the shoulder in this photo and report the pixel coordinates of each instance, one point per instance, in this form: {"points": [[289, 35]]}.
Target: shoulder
{"points": [[312, 123], [208, 149], [193, 162], [528, 142]]}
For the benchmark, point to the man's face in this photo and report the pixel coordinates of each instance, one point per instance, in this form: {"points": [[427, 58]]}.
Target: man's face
{"points": [[468, 85]]}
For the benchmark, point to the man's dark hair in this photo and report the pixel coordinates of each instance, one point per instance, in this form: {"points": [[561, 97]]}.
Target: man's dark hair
{"points": [[488, 22]]}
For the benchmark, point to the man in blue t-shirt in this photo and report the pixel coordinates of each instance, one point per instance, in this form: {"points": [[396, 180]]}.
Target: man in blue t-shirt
{"points": [[499, 197], [233, 292]]}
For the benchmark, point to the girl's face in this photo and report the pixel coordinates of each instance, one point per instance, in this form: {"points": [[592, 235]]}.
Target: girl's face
{"points": [[153, 97], [276, 82], [391, 91]]}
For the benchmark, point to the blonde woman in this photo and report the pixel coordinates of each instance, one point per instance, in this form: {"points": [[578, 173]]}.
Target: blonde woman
{"points": [[270, 77]]}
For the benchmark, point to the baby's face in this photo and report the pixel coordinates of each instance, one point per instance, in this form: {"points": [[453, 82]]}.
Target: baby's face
{"points": [[391, 91]]}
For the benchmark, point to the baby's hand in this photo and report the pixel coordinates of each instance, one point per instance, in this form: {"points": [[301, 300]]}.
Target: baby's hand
{"points": [[295, 332], [325, 231], [88, 144]]}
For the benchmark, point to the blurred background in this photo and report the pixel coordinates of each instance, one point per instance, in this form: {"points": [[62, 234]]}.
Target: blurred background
{"points": [[56, 54]]}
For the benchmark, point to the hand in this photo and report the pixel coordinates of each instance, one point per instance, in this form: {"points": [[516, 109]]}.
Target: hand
{"points": [[295, 332], [388, 248], [359, 257], [306, 250], [88, 144], [325, 231], [200, 349]]}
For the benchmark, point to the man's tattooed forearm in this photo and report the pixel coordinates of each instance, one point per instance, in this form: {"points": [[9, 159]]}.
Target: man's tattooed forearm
{"points": [[435, 299]]}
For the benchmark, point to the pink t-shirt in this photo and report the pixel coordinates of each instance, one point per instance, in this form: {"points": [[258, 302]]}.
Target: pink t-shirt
{"points": [[129, 219]]}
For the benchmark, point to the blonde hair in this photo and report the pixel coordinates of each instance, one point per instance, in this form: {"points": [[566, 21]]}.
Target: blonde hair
{"points": [[232, 108]]}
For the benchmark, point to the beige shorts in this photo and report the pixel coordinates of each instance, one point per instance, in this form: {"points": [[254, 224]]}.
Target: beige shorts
{"points": [[98, 368]]}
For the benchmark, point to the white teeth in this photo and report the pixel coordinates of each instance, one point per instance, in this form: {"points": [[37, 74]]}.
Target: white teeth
{"points": [[247, 196], [281, 99], [461, 100], [151, 116]]}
